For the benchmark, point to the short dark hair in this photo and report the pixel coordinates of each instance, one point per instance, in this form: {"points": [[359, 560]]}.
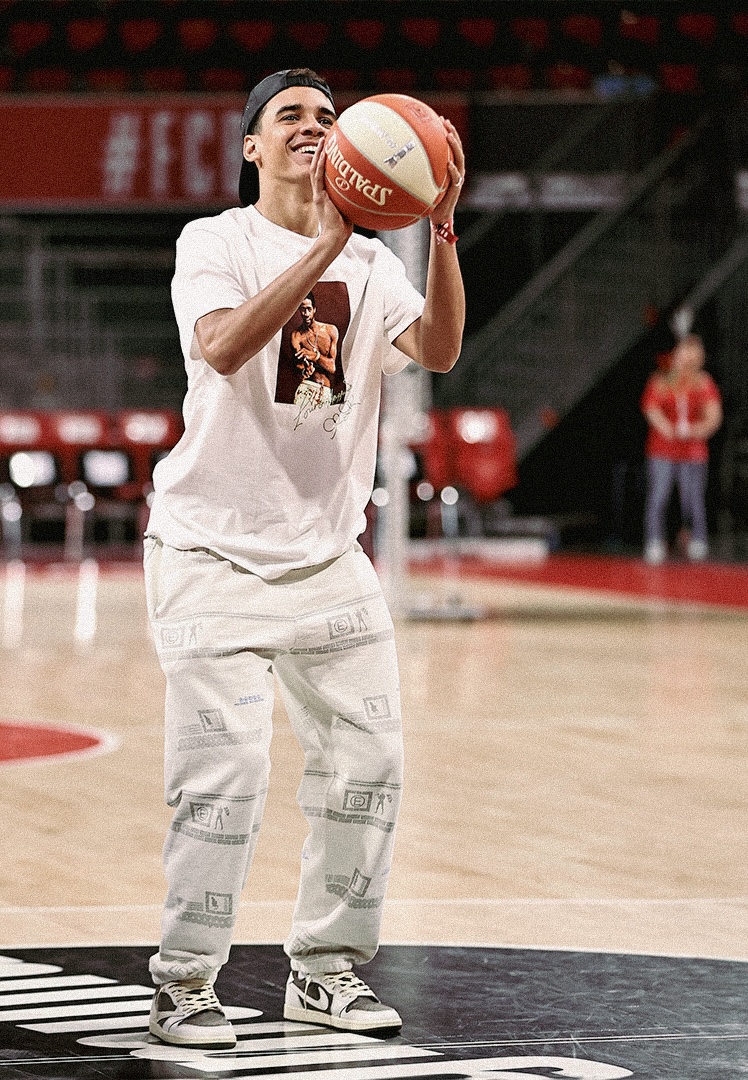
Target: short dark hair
{"points": [[308, 72]]}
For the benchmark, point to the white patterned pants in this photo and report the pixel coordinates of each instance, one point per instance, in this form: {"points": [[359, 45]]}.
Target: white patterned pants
{"points": [[223, 637]]}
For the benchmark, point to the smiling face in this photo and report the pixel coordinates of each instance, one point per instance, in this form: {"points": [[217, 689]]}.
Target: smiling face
{"points": [[287, 131]]}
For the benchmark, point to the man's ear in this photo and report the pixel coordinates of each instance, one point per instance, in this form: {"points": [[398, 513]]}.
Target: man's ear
{"points": [[250, 150]]}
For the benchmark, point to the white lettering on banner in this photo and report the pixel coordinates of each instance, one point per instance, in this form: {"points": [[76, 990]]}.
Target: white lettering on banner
{"points": [[121, 154], [231, 152], [161, 152], [199, 129]]}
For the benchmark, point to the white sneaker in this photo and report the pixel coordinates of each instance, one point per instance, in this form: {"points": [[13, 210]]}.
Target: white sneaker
{"points": [[655, 552], [188, 1013], [697, 550], [338, 999]]}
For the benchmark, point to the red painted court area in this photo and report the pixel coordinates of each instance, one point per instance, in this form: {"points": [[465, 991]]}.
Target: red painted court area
{"points": [[714, 584], [21, 742]]}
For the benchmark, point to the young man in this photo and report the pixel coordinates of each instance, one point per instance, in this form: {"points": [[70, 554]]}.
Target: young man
{"points": [[254, 575]]}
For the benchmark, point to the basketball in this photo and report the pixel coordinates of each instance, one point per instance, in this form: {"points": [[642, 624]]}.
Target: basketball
{"points": [[387, 159]]}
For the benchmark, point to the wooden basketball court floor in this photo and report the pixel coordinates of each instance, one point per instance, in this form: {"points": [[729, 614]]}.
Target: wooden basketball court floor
{"points": [[575, 771]]}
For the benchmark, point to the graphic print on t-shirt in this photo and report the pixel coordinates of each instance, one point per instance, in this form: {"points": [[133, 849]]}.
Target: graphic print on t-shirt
{"points": [[310, 364]]}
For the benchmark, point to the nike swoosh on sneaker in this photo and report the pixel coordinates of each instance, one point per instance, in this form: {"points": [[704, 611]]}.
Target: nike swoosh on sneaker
{"points": [[322, 1002]]}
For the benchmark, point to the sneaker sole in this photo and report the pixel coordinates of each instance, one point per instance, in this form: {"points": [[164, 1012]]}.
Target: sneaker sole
{"points": [[309, 1016], [196, 1044]]}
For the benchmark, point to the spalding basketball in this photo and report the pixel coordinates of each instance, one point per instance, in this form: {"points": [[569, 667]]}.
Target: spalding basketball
{"points": [[387, 160]]}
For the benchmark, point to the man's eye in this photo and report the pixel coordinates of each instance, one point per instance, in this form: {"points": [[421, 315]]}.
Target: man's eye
{"points": [[326, 121]]}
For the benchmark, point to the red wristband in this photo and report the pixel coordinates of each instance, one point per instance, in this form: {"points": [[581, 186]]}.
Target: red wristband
{"points": [[444, 232]]}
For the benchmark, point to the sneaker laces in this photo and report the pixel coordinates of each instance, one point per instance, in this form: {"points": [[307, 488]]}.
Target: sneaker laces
{"points": [[193, 997], [345, 983]]}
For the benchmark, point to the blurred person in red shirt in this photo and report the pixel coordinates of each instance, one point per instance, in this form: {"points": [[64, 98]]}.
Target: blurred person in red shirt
{"points": [[683, 408]]}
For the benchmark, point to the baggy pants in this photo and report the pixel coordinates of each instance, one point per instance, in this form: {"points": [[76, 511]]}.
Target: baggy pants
{"points": [[223, 636]]}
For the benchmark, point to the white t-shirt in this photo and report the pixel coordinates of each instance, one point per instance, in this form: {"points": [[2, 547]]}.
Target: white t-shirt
{"points": [[268, 476]]}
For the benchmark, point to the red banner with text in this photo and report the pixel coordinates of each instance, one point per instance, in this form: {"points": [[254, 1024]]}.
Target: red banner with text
{"points": [[131, 152]]}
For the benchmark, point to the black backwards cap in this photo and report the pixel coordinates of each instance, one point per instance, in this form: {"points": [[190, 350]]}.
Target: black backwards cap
{"points": [[249, 181]]}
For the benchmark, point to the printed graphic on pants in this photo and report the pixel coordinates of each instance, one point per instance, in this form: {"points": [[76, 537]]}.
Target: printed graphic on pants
{"points": [[310, 364]]}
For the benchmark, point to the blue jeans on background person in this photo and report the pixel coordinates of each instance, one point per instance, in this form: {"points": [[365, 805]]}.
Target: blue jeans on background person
{"points": [[691, 478]]}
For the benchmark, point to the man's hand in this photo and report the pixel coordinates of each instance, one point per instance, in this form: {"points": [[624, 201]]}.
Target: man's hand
{"points": [[333, 226], [445, 208]]}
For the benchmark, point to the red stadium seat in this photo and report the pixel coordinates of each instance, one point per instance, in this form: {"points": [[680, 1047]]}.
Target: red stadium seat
{"points": [[366, 33], [220, 79], [533, 32], [510, 77], [170, 80], [49, 80], [740, 23], [484, 461], [85, 34], [423, 32], [7, 77], [585, 28], [252, 34], [700, 26], [480, 32], [642, 28], [561, 76], [454, 78], [341, 78], [138, 35], [196, 35], [108, 80], [310, 34], [470, 449], [28, 34], [680, 78], [396, 80]]}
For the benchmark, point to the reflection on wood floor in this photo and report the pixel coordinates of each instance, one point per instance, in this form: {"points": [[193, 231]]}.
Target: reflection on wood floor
{"points": [[575, 773]]}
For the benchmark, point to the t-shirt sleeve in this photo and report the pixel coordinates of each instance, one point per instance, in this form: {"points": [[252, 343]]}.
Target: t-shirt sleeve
{"points": [[203, 281], [650, 398], [402, 306], [709, 389]]}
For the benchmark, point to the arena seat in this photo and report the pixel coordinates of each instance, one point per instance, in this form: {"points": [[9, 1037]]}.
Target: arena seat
{"points": [[480, 32], [680, 78], [197, 35], [139, 35], [222, 79], [472, 449], [423, 32], [585, 28], [69, 465], [484, 461], [534, 32], [86, 33], [252, 34], [642, 28], [48, 80], [510, 77], [699, 26], [28, 34], [366, 33]]}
